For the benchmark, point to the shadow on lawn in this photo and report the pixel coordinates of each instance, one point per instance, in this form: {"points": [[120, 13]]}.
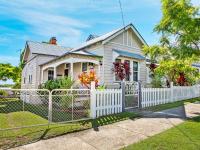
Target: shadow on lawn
{"points": [[105, 120]]}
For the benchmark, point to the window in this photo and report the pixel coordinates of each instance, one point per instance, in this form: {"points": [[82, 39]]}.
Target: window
{"points": [[67, 66], [127, 75], [30, 79], [116, 77], [66, 72], [91, 65], [84, 67], [50, 74], [135, 71], [24, 80]]}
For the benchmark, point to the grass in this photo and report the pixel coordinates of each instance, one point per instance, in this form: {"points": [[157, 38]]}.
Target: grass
{"points": [[172, 105], [13, 138], [182, 137], [15, 105]]}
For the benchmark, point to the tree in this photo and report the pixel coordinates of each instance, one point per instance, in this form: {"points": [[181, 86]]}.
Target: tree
{"points": [[8, 71], [179, 43], [121, 70], [180, 28]]}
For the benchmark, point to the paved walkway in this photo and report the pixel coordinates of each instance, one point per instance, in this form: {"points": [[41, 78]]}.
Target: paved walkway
{"points": [[118, 135]]}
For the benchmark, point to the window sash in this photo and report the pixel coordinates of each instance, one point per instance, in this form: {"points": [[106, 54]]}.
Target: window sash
{"points": [[50, 74], [135, 71], [84, 67]]}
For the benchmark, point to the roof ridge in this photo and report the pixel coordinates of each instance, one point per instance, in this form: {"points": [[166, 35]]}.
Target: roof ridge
{"points": [[48, 44]]}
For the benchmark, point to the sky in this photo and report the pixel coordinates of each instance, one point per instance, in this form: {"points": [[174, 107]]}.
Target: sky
{"points": [[70, 21]]}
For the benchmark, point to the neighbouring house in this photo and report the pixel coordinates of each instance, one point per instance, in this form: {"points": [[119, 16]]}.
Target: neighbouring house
{"points": [[47, 61]]}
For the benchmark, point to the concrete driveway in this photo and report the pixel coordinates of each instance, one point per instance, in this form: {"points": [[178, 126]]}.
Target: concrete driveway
{"points": [[118, 135]]}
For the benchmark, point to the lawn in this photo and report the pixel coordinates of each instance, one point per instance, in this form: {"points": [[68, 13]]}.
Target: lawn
{"points": [[58, 115], [12, 138], [172, 105], [185, 136]]}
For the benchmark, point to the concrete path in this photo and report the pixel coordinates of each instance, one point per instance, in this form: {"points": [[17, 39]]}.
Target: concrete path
{"points": [[118, 135]]}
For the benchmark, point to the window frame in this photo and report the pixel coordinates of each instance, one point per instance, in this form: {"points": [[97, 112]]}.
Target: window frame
{"points": [[84, 63], [136, 71], [52, 75]]}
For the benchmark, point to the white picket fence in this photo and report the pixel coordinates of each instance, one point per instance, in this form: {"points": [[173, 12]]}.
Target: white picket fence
{"points": [[105, 102], [157, 96]]}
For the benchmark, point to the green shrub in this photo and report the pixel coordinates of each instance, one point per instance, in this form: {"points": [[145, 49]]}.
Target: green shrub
{"points": [[101, 87], [3, 93], [62, 83], [157, 81]]}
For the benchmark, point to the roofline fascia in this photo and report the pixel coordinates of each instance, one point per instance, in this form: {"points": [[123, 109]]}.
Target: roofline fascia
{"points": [[45, 54], [66, 55], [25, 50], [125, 28]]}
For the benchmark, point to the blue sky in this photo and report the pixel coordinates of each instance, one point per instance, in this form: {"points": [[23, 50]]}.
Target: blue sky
{"points": [[70, 21]]}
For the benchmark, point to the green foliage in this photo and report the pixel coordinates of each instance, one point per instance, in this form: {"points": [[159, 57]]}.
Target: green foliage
{"points": [[101, 87], [157, 81], [62, 83], [155, 53], [7, 71], [180, 21], [22, 63], [6, 85], [172, 68], [179, 42], [3, 93]]}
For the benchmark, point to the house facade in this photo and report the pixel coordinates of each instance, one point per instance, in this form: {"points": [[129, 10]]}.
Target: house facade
{"points": [[49, 61]]}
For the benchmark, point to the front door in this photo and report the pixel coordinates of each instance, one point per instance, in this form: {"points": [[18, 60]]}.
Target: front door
{"points": [[66, 72]]}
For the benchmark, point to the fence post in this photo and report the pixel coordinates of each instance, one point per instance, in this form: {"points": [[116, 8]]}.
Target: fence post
{"points": [[93, 100], [172, 91], [140, 94], [123, 95], [50, 107]]}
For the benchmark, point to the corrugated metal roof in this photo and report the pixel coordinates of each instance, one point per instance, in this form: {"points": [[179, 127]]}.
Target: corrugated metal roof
{"points": [[129, 54], [47, 49], [85, 53], [95, 40]]}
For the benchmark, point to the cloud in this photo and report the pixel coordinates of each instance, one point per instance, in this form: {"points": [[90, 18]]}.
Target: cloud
{"points": [[43, 19], [9, 59]]}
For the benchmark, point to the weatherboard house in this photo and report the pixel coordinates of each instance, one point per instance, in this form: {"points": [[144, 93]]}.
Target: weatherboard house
{"points": [[47, 61]]}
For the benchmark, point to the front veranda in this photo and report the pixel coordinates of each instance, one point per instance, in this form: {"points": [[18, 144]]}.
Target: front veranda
{"points": [[71, 66]]}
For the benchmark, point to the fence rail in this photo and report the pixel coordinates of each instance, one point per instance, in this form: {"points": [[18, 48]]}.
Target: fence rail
{"points": [[157, 96], [34, 107], [105, 102]]}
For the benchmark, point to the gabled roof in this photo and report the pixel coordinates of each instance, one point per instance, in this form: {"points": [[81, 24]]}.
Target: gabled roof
{"points": [[46, 49], [82, 52], [91, 36], [109, 35]]}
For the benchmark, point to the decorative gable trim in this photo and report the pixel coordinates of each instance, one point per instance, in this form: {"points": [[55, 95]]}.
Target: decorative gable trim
{"points": [[125, 29]]}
